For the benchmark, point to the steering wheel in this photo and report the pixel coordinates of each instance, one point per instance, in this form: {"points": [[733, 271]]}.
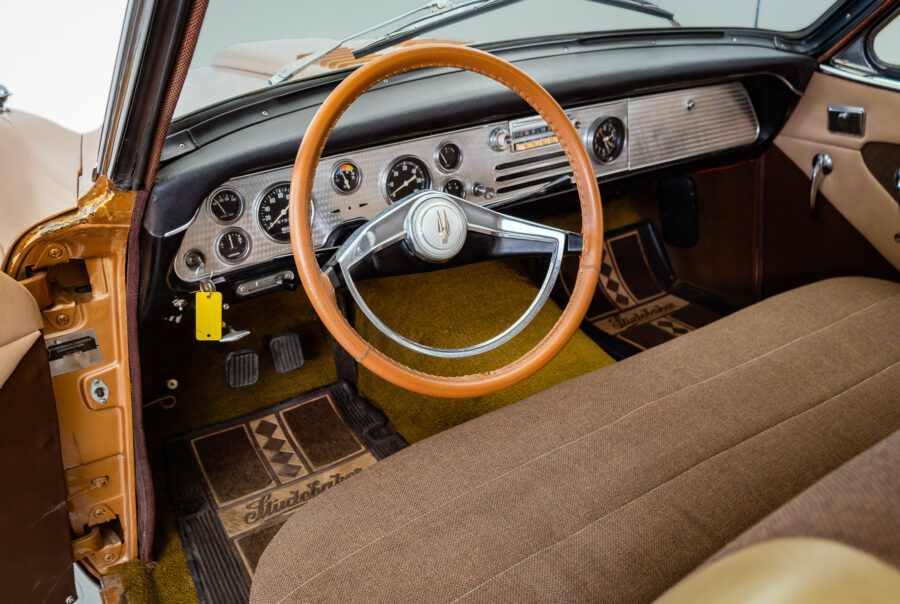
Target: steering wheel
{"points": [[432, 227]]}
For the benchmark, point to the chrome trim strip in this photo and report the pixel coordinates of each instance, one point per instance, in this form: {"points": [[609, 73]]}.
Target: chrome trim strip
{"points": [[871, 80], [183, 227], [132, 43]]}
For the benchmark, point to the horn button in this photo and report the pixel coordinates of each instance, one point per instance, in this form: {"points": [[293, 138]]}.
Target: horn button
{"points": [[436, 228]]}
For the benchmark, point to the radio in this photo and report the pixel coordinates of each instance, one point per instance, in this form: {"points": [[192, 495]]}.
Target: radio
{"points": [[523, 134]]}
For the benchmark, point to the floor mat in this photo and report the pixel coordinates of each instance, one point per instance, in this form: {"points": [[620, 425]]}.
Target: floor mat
{"points": [[234, 484], [638, 303]]}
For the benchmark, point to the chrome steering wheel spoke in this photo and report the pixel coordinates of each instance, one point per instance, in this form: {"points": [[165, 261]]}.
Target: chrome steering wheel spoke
{"points": [[434, 229]]}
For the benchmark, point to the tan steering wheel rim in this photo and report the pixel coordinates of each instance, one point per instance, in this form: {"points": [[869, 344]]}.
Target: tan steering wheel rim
{"points": [[318, 287]]}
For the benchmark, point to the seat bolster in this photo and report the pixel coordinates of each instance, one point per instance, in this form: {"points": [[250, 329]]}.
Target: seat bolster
{"points": [[21, 315], [857, 504], [784, 571], [20, 324], [13, 353]]}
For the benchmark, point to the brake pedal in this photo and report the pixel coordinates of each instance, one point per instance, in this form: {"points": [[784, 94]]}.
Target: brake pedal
{"points": [[241, 368], [286, 352]]}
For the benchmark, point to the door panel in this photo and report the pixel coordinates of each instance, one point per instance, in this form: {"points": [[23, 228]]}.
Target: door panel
{"points": [[851, 187], [36, 550], [800, 247], [883, 161]]}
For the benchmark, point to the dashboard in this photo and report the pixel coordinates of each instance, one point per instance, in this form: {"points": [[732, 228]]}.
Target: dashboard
{"points": [[644, 108], [243, 223]]}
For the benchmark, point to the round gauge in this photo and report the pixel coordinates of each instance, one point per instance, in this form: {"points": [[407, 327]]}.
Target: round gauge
{"points": [[608, 139], [272, 212], [406, 176], [345, 177], [449, 157], [226, 205], [455, 186], [232, 245]]}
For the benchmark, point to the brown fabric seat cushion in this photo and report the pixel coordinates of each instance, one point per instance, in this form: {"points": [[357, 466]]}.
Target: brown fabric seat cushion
{"points": [[858, 504], [614, 485]]}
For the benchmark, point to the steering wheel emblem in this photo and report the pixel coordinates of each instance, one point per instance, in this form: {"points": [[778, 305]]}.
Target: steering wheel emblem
{"points": [[443, 227], [435, 227]]}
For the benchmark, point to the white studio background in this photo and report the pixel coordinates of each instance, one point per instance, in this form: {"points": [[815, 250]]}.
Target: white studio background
{"points": [[57, 57]]}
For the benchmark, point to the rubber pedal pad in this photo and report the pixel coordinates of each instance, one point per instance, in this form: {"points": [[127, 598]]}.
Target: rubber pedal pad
{"points": [[242, 368], [287, 354]]}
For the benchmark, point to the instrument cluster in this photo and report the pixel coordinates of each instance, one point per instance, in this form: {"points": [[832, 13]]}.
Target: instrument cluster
{"points": [[245, 221]]}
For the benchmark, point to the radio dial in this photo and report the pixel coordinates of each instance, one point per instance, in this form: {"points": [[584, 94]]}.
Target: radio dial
{"points": [[500, 139]]}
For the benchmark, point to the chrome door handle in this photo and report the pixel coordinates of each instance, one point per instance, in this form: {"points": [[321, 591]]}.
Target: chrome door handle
{"points": [[822, 166]]}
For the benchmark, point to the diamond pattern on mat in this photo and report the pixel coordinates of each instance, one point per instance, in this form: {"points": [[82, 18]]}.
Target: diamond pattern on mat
{"points": [[282, 457], [669, 325], [612, 283]]}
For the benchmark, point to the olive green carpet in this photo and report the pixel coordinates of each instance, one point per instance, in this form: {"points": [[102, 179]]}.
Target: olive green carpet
{"points": [[447, 308], [459, 307], [464, 306]]}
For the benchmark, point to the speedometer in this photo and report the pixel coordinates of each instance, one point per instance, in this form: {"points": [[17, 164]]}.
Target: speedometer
{"points": [[405, 177], [272, 213]]}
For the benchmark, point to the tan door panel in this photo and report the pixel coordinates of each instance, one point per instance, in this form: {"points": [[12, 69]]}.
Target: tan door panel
{"points": [[850, 187], [809, 120]]}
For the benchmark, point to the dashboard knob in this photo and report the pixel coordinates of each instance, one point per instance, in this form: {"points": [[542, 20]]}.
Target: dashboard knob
{"points": [[500, 139], [479, 189]]}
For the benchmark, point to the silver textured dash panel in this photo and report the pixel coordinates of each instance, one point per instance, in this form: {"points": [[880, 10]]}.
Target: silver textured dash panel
{"points": [[689, 123], [660, 129]]}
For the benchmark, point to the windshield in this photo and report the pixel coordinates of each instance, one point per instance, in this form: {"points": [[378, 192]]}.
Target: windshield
{"points": [[243, 45]]}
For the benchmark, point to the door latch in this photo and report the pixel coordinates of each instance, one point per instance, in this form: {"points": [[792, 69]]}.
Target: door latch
{"points": [[822, 167]]}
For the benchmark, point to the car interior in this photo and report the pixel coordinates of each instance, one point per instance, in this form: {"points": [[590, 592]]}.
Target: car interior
{"points": [[609, 317]]}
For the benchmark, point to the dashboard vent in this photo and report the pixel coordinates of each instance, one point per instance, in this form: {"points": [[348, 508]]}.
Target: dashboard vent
{"points": [[530, 171], [528, 160]]}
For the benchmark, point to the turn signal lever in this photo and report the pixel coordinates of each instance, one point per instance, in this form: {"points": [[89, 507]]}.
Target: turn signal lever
{"points": [[822, 166]]}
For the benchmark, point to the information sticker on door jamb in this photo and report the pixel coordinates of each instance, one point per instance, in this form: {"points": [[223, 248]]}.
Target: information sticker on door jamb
{"points": [[73, 351]]}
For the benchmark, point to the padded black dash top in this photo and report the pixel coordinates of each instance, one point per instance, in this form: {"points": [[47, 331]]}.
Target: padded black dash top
{"points": [[234, 484]]}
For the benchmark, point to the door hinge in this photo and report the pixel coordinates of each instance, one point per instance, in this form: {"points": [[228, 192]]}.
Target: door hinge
{"points": [[102, 545]]}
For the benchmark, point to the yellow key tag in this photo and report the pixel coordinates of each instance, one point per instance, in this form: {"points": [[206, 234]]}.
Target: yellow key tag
{"points": [[209, 315]]}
